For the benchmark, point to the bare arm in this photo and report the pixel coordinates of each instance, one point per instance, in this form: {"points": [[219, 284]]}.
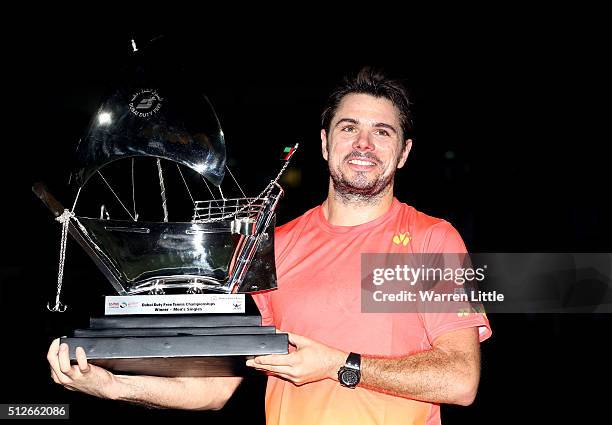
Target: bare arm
{"points": [[447, 373], [175, 393]]}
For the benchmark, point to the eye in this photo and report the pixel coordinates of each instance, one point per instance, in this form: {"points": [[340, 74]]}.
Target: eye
{"points": [[381, 132], [349, 129]]}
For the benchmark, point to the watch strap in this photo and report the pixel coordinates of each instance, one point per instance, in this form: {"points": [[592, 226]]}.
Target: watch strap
{"points": [[353, 361]]}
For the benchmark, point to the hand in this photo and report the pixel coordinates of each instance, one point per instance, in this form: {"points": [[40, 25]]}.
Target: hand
{"points": [[83, 377], [310, 362]]}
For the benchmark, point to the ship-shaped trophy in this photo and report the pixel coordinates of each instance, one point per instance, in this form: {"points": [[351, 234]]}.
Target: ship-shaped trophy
{"points": [[179, 307]]}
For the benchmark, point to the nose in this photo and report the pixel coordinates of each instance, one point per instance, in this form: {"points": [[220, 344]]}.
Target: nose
{"points": [[363, 142]]}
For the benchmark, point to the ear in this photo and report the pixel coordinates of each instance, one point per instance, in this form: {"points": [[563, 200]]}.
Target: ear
{"points": [[405, 153], [324, 144]]}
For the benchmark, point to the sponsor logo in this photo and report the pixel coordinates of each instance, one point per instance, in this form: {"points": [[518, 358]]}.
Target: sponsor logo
{"points": [[402, 238], [145, 103]]}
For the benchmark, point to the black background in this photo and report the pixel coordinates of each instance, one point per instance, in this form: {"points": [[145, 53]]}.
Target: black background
{"points": [[520, 105]]}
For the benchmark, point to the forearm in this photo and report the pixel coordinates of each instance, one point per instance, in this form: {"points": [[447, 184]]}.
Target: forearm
{"points": [[174, 393], [435, 376], [447, 373]]}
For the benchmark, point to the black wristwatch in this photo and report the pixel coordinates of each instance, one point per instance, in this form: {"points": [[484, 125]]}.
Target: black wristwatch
{"points": [[349, 375]]}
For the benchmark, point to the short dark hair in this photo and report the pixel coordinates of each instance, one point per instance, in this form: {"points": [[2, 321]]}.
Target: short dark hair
{"points": [[375, 83]]}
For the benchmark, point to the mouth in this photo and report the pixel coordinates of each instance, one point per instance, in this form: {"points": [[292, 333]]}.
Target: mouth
{"points": [[362, 162]]}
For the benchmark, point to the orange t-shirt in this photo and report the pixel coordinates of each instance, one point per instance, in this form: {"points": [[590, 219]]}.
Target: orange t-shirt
{"points": [[318, 296]]}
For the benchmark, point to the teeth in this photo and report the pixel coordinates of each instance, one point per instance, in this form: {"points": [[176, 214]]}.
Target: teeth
{"points": [[360, 162]]}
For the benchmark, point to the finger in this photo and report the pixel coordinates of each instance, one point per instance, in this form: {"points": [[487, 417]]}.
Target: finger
{"points": [[82, 360], [54, 377], [54, 347], [53, 359], [286, 370], [274, 359], [53, 353], [64, 360], [251, 363]]}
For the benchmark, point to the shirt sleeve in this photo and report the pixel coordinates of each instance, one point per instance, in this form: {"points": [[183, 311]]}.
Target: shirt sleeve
{"points": [[444, 238], [437, 324]]}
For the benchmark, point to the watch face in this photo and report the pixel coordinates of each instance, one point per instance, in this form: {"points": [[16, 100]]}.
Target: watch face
{"points": [[350, 377]]}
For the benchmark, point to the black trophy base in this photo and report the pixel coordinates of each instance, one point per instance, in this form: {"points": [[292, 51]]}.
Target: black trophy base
{"points": [[177, 345], [178, 366], [179, 355]]}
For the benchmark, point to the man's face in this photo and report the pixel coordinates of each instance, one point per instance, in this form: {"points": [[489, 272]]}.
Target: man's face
{"points": [[364, 146]]}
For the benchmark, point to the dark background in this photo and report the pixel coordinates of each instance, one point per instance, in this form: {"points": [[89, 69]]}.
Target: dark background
{"points": [[511, 146]]}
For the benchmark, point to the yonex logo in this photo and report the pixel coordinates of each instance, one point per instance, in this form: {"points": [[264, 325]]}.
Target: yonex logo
{"points": [[402, 238]]}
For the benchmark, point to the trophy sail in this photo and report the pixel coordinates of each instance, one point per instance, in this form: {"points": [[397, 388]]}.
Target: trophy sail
{"points": [[152, 113]]}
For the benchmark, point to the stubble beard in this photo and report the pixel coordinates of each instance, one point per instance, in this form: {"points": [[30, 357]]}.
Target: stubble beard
{"points": [[360, 190]]}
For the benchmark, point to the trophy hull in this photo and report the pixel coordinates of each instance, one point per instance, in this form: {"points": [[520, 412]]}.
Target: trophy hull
{"points": [[141, 257], [145, 256]]}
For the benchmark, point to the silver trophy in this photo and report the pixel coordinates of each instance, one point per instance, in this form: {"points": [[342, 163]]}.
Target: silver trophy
{"points": [[179, 307]]}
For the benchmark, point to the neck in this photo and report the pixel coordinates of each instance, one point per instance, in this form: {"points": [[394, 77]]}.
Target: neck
{"points": [[343, 211]]}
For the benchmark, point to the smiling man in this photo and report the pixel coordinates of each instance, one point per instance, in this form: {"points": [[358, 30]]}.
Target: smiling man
{"points": [[344, 366]]}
